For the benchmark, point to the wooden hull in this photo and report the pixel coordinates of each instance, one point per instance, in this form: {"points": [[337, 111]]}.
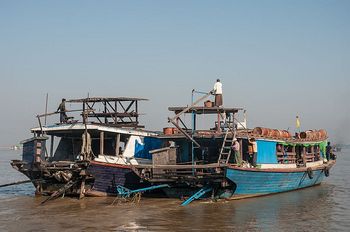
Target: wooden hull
{"points": [[244, 182], [108, 176], [48, 178], [251, 182]]}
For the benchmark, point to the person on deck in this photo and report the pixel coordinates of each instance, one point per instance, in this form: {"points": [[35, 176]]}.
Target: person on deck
{"points": [[328, 151], [236, 148], [218, 93], [253, 150], [62, 109]]}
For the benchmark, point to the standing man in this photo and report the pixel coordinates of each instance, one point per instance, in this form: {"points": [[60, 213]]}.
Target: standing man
{"points": [[218, 93], [253, 150], [236, 148], [62, 109], [328, 151]]}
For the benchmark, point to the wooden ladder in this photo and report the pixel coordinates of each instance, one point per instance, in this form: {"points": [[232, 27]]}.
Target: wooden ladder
{"points": [[226, 150]]}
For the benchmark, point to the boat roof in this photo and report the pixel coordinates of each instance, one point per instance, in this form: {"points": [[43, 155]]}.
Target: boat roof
{"points": [[59, 128], [204, 110], [103, 99]]}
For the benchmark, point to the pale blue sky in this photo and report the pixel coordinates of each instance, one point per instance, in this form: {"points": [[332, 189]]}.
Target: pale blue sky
{"points": [[275, 58]]}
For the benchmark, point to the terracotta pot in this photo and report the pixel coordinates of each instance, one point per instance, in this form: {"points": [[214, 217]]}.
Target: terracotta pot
{"points": [[168, 130], [261, 131], [309, 134], [275, 133], [323, 134], [175, 130], [208, 104], [286, 134]]}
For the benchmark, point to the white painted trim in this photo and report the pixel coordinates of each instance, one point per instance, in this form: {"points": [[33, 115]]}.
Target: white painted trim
{"points": [[314, 164], [80, 126], [271, 166]]}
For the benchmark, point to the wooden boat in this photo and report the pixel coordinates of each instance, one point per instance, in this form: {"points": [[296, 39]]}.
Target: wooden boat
{"points": [[106, 128], [199, 163], [109, 153]]}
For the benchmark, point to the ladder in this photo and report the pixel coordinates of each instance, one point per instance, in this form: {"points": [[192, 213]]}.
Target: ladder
{"points": [[226, 150]]}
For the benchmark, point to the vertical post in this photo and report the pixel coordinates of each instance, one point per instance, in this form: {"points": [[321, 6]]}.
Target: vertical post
{"points": [[116, 112], [105, 111], [219, 126], [47, 99], [192, 134], [241, 149], [117, 144], [102, 136], [84, 114], [137, 112], [41, 127], [51, 145]]}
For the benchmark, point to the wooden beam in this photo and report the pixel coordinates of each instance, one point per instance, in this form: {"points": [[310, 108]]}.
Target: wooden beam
{"points": [[117, 144], [102, 135], [184, 132]]}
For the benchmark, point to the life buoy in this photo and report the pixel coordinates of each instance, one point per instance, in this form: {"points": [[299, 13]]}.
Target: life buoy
{"points": [[310, 173], [326, 171]]}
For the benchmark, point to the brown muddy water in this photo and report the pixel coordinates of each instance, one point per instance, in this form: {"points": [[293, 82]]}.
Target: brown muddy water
{"points": [[321, 208]]}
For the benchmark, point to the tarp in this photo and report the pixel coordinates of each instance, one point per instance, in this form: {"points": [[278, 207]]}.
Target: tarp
{"points": [[323, 146], [266, 152], [142, 150]]}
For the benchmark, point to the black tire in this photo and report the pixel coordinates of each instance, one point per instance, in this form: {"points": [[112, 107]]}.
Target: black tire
{"points": [[326, 172], [310, 173]]}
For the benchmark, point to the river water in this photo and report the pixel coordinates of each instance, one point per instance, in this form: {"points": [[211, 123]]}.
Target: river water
{"points": [[320, 208]]}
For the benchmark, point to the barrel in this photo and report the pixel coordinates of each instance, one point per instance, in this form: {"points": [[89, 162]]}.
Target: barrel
{"points": [[261, 131], [286, 134], [258, 130], [318, 135], [323, 134], [303, 135], [309, 135], [175, 130], [208, 103], [275, 133], [168, 130]]}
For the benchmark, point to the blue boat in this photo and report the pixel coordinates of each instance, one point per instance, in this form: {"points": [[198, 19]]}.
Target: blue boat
{"points": [[226, 161], [252, 182]]}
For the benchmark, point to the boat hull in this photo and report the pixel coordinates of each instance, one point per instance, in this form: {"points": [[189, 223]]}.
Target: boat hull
{"points": [[48, 178], [251, 182], [108, 176]]}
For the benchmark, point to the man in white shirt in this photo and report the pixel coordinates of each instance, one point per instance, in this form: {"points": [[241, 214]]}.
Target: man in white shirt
{"points": [[218, 93]]}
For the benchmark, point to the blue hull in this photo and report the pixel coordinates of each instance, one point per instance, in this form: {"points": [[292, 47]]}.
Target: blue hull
{"points": [[253, 182]]}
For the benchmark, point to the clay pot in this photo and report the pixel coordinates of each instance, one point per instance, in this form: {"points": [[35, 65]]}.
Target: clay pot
{"points": [[208, 103], [309, 135], [323, 134], [168, 130], [286, 134], [261, 131], [275, 133]]}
